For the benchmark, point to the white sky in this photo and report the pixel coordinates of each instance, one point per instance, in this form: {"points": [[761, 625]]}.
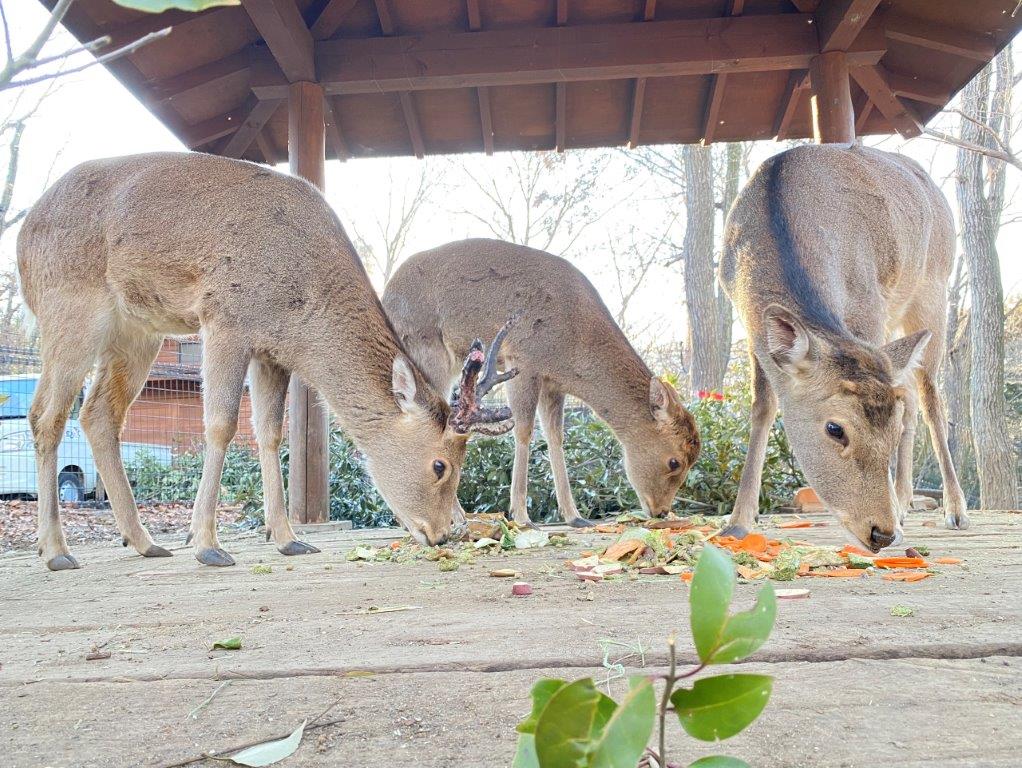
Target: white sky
{"points": [[91, 115]]}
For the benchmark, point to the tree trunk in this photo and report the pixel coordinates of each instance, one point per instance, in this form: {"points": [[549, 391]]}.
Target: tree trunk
{"points": [[700, 289], [980, 208]]}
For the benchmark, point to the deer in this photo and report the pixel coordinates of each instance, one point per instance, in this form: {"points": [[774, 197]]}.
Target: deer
{"points": [[566, 343], [829, 252], [122, 252]]}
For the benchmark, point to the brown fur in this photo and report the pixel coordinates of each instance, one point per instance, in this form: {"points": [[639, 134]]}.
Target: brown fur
{"points": [[121, 252], [830, 250], [565, 343]]}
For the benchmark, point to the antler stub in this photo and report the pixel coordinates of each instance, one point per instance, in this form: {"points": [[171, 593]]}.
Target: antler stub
{"points": [[467, 412]]}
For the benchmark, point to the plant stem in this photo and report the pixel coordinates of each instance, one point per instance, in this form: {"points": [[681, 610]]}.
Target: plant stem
{"points": [[665, 701]]}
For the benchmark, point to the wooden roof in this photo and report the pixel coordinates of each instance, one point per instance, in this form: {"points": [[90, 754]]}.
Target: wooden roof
{"points": [[415, 77]]}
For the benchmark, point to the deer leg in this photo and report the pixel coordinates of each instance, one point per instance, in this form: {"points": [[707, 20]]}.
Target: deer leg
{"points": [[903, 463], [67, 357], [551, 416], [223, 378], [764, 408], [122, 372], [522, 396], [269, 391]]}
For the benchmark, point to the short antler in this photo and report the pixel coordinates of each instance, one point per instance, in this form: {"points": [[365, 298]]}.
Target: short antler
{"points": [[467, 411]]}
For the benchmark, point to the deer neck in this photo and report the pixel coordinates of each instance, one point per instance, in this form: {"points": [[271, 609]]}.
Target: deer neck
{"points": [[618, 392]]}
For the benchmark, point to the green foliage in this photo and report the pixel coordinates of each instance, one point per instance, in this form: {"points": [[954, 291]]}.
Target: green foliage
{"points": [[574, 725], [159, 6]]}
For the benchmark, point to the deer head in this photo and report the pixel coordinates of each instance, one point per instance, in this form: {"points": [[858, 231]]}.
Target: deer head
{"points": [[417, 464], [843, 405]]}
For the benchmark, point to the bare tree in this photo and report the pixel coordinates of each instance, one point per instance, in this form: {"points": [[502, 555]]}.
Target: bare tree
{"points": [[632, 257], [545, 200], [986, 121], [386, 246]]}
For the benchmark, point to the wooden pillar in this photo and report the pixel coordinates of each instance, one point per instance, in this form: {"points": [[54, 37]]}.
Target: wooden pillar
{"points": [[833, 114], [308, 419]]}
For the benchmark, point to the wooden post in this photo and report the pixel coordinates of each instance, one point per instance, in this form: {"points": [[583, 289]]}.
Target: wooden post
{"points": [[833, 113], [308, 419]]}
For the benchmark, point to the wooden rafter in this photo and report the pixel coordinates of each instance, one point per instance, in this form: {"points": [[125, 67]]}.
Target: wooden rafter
{"points": [[205, 76], [806, 6], [798, 82], [718, 82], [267, 148], [899, 115], [245, 134], [562, 12], [475, 20], [485, 119], [545, 55], [334, 136], [560, 115], [331, 18], [154, 22], [635, 124], [649, 10], [287, 37], [412, 121], [936, 37], [839, 22], [916, 88], [202, 133], [385, 16], [863, 117]]}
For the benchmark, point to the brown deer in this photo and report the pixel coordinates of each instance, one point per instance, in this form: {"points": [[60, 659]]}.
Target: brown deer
{"points": [[828, 251], [122, 252], [566, 343]]}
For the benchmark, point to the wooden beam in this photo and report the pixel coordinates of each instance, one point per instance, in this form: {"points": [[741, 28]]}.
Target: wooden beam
{"points": [[308, 424], [285, 34], [833, 113], [331, 18], [386, 18], [206, 76], [793, 91], [334, 136], [635, 124], [649, 10], [475, 20], [711, 115], [200, 134], [271, 156], [154, 22], [560, 115], [243, 137], [863, 118], [839, 22], [900, 116], [562, 12], [916, 88], [554, 54], [485, 119], [936, 37], [734, 8], [412, 121], [806, 6]]}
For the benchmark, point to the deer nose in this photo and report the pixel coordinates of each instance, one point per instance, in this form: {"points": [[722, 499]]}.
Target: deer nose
{"points": [[436, 540], [878, 539]]}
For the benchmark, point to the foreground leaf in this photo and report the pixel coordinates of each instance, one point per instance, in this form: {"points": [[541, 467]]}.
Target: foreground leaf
{"points": [[230, 644], [569, 724], [719, 761], [717, 708], [712, 587], [270, 752], [744, 632], [627, 733], [525, 753], [541, 694]]}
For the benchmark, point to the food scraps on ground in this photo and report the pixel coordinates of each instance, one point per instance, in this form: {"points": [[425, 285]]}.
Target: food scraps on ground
{"points": [[521, 589], [791, 594]]}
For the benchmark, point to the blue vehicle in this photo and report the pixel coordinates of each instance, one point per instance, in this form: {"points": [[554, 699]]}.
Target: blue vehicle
{"points": [[77, 476]]}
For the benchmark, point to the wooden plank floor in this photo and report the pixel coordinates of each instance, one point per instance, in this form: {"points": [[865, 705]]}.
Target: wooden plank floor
{"points": [[444, 684]]}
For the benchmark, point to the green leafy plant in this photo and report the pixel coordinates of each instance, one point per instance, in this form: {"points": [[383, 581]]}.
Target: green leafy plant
{"points": [[575, 725]]}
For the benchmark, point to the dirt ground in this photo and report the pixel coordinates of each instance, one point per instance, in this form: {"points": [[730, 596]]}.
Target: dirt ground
{"points": [[444, 682]]}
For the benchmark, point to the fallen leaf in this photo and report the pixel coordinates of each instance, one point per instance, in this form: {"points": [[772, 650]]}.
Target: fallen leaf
{"points": [[270, 752], [231, 644], [261, 570], [901, 611]]}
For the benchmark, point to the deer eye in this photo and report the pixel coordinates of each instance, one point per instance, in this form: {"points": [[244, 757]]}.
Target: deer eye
{"points": [[439, 468], [674, 465], [837, 432]]}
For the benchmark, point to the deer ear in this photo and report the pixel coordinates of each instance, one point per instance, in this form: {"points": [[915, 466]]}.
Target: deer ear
{"points": [[789, 342], [906, 354], [402, 382], [662, 400]]}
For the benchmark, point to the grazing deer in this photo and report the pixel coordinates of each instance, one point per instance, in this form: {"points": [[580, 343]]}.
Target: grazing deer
{"points": [[122, 252], [828, 251], [566, 343]]}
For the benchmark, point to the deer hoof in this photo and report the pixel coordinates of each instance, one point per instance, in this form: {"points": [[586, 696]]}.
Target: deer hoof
{"points": [[188, 538], [956, 522], [214, 556], [62, 563], [156, 551], [297, 548], [580, 522], [738, 531]]}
